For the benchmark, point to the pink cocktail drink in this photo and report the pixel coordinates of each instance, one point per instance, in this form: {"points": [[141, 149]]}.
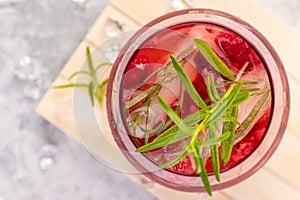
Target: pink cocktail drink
{"points": [[154, 55], [145, 82]]}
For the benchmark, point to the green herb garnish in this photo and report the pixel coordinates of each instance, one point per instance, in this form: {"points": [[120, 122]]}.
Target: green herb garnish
{"points": [[229, 126], [95, 89], [223, 109], [188, 84], [213, 59]]}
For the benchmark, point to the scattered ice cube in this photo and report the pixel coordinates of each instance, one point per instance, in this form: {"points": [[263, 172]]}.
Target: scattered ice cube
{"points": [[24, 70], [35, 76], [47, 157], [29, 69], [113, 28], [25, 61], [79, 2], [45, 163], [33, 89], [32, 92]]}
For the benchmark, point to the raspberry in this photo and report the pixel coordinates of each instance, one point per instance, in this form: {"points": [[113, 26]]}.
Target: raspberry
{"points": [[184, 166], [135, 74], [237, 51], [144, 63]]}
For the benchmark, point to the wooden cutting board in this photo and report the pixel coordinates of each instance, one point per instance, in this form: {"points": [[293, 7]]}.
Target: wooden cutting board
{"points": [[279, 179]]}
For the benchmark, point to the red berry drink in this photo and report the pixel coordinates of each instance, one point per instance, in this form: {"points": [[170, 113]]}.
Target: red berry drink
{"points": [[166, 100], [146, 68]]}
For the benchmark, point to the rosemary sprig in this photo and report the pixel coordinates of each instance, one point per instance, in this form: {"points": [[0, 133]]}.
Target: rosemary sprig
{"points": [[188, 84], [223, 108], [213, 59], [211, 116], [95, 89]]}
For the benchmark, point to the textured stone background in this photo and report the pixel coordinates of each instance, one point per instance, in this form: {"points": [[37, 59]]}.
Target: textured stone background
{"points": [[41, 35]]}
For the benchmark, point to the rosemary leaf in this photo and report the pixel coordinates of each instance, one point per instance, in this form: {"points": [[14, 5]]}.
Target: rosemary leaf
{"points": [[102, 65], [229, 127], [201, 170], [100, 91], [248, 82], [231, 82], [241, 98], [70, 85], [103, 83], [91, 92], [214, 152], [213, 87], [157, 143], [173, 115], [175, 160], [99, 94], [142, 95], [90, 61], [209, 90], [188, 84], [250, 89], [213, 59], [196, 155], [223, 84], [79, 72]]}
